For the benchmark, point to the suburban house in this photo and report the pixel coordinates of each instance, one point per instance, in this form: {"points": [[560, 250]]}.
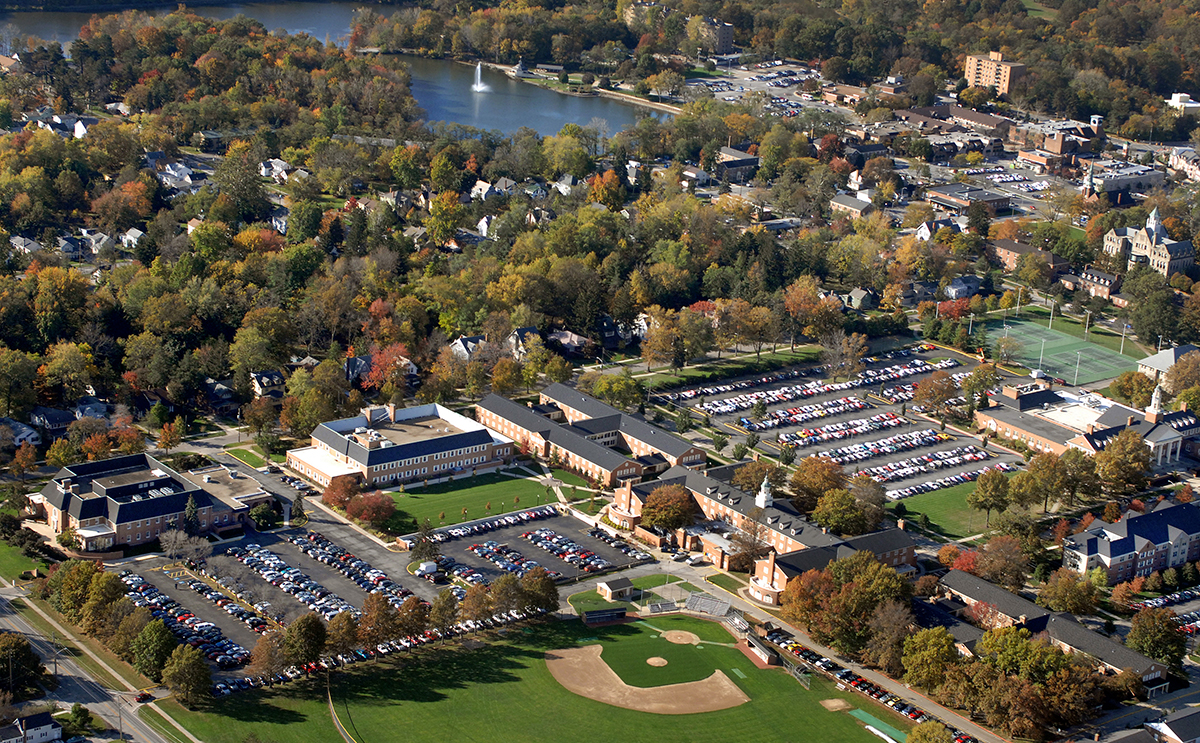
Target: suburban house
{"points": [[1166, 535], [735, 166], [1156, 365], [130, 500], [131, 237], [387, 445], [851, 206], [21, 433], [927, 230], [1181, 726], [31, 729], [963, 287], [464, 347], [268, 384], [90, 407], [520, 339], [1152, 246], [52, 422]]}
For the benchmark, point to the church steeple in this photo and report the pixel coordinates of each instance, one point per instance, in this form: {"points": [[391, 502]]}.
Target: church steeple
{"points": [[764, 499], [1154, 409]]}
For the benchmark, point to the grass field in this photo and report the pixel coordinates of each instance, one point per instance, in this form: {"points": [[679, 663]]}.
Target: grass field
{"points": [[947, 509], [503, 692], [13, 563], [416, 504], [591, 601], [1058, 357], [727, 368], [569, 478], [726, 581]]}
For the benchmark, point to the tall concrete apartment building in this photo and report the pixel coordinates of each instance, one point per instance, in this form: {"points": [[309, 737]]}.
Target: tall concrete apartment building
{"points": [[993, 71]]}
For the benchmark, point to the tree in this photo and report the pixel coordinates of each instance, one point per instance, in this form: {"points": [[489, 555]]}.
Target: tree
{"points": [[62, 453], [443, 613], [128, 629], [191, 517], [1068, 591], [237, 175], [79, 721], [1123, 594], [1122, 464], [930, 732], [1154, 633], [380, 622], [838, 511], [24, 460], [749, 476], [339, 492], [936, 392], [814, 477], [169, 437], [413, 618], [1007, 349], [152, 648], [975, 387], [506, 594], [187, 675], [1133, 387], [506, 376], [990, 493], [406, 166], [25, 665], [477, 604], [341, 635], [444, 217], [668, 506], [375, 508], [540, 590], [927, 655], [264, 516], [304, 639], [1079, 475], [425, 548], [17, 374], [268, 657], [1002, 560], [890, 625], [1183, 374]]}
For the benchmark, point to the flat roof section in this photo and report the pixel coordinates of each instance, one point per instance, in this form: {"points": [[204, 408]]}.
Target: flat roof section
{"points": [[1074, 416], [225, 485], [415, 429], [321, 461]]}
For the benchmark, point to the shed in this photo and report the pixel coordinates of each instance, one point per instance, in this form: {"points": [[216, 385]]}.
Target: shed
{"points": [[615, 589]]}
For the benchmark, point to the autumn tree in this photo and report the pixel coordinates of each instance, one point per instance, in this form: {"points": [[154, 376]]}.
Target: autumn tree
{"points": [[304, 639], [1154, 632], [749, 476], [935, 392], [341, 635], [927, 654], [990, 493], [340, 491], [890, 625], [187, 675], [1184, 373], [268, 658], [1068, 591], [1003, 560], [375, 508], [668, 506], [379, 622], [838, 511], [814, 476], [1123, 463]]}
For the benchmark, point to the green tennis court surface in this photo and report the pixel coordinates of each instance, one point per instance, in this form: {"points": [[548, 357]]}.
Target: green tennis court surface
{"points": [[1061, 352]]}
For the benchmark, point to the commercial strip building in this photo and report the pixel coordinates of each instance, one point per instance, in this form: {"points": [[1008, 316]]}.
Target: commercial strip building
{"points": [[958, 197], [581, 433], [796, 544], [1054, 421], [386, 445], [128, 501], [1165, 536], [960, 591]]}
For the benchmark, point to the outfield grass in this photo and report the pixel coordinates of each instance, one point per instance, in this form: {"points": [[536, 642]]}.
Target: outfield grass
{"points": [[416, 504], [591, 601], [504, 692]]}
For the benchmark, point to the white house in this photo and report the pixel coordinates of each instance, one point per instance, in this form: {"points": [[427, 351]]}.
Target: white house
{"points": [[1183, 103], [39, 728], [485, 224], [566, 184], [130, 238], [24, 244], [482, 190], [21, 432], [275, 169]]}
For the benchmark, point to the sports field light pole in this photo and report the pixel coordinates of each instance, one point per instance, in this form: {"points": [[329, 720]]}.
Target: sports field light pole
{"points": [[1086, 320], [1040, 353], [1124, 327], [1160, 342], [1077, 355], [1051, 325]]}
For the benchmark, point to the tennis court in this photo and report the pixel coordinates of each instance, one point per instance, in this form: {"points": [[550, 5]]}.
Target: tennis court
{"points": [[1061, 352]]}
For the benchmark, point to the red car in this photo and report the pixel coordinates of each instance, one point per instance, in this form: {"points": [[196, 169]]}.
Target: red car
{"points": [[145, 696]]}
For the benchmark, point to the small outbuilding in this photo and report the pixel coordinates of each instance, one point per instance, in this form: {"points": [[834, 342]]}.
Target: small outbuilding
{"points": [[615, 589]]}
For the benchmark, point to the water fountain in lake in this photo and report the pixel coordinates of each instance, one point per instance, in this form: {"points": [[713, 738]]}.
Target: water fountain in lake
{"points": [[480, 86]]}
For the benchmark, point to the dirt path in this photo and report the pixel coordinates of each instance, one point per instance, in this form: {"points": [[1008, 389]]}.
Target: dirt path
{"points": [[581, 671]]}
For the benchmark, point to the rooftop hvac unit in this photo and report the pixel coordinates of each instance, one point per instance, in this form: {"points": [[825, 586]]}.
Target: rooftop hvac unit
{"points": [[207, 478]]}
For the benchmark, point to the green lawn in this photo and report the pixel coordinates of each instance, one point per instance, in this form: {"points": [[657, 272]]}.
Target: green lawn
{"points": [[654, 581], [416, 504], [247, 456], [591, 601], [1037, 10], [13, 563], [569, 478], [726, 368], [726, 581], [75, 653], [503, 692], [947, 510]]}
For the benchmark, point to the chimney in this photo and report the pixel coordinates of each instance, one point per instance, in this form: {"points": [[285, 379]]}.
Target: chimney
{"points": [[900, 524], [391, 408], [1129, 422], [1183, 406], [770, 577], [1091, 428]]}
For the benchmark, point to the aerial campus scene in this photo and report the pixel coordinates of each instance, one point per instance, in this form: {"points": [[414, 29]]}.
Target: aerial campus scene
{"points": [[769, 371]]}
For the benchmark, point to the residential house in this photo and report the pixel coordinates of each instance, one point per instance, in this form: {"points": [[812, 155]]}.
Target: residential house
{"points": [[963, 287], [520, 339], [539, 217], [535, 191], [268, 384], [131, 237], [71, 248], [863, 299], [926, 230], [485, 224], [96, 241], [386, 445], [357, 368], [10, 64], [275, 169], [505, 186], [397, 200], [38, 728], [850, 206], [220, 398], [1009, 253], [465, 346], [193, 223], [696, 177], [567, 183], [1092, 280], [736, 166], [1156, 365], [280, 216], [1181, 726], [21, 433], [51, 422], [1185, 160], [298, 177], [90, 407], [569, 341], [24, 245]]}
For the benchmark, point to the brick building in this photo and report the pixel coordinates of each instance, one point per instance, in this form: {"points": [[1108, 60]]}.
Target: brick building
{"points": [[1167, 535], [993, 71]]}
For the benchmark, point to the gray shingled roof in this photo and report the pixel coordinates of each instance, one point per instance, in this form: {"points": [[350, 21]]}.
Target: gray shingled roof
{"points": [[333, 435], [1063, 628], [1007, 603], [629, 425]]}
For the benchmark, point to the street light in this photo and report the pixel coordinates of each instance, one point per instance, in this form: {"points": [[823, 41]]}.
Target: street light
{"points": [[1077, 356]]}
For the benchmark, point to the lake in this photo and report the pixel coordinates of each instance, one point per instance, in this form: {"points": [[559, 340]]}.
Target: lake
{"points": [[441, 87]]}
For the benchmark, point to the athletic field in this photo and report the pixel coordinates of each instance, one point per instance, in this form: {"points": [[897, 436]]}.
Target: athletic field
{"points": [[1061, 351]]}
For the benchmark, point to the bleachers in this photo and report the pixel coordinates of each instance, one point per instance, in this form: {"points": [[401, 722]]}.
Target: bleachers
{"points": [[662, 608], [705, 604]]}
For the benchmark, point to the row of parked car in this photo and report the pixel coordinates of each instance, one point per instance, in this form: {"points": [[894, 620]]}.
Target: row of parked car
{"points": [[225, 688], [290, 580], [320, 548], [901, 442], [483, 527], [841, 431], [252, 619], [616, 542], [1169, 599], [946, 482], [788, 644], [186, 626], [567, 550], [504, 557]]}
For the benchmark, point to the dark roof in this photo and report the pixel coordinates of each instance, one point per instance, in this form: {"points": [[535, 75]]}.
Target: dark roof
{"points": [[1064, 629], [1165, 523], [653, 436], [930, 616], [816, 558], [87, 502], [52, 416], [568, 437], [1007, 603], [879, 542], [1185, 723], [618, 583], [1029, 400]]}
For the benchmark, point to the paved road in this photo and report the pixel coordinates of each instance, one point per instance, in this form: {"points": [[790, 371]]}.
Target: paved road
{"points": [[74, 685]]}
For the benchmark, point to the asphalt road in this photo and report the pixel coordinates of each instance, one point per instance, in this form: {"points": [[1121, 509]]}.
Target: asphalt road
{"points": [[74, 685]]}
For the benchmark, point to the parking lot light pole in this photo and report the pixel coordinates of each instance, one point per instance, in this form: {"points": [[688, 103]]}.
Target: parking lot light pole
{"points": [[1078, 354]]}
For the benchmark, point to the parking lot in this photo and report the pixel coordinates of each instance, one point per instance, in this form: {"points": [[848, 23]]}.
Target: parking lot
{"points": [[852, 422]]}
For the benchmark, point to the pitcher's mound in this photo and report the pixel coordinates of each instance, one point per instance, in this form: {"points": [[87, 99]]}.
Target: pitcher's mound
{"points": [[835, 705], [680, 637], [582, 671], [656, 661]]}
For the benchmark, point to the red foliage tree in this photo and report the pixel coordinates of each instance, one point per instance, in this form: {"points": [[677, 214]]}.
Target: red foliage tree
{"points": [[339, 492], [968, 561], [374, 507], [983, 614], [1061, 530], [387, 365]]}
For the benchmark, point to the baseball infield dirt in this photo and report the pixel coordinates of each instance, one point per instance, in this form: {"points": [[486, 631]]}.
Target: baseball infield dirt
{"points": [[835, 705], [581, 671], [681, 637], [656, 661]]}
